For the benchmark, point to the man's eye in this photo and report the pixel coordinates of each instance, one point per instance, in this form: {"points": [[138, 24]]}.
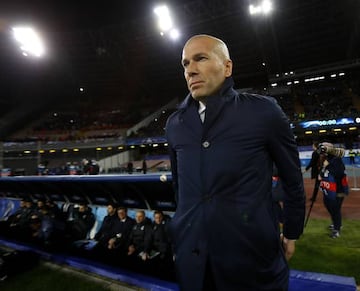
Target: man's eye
{"points": [[201, 58]]}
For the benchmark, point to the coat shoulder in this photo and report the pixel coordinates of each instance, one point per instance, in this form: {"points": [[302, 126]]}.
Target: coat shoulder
{"points": [[256, 98]]}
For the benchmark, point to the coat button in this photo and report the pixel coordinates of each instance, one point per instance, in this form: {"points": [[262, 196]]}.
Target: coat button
{"points": [[205, 144]]}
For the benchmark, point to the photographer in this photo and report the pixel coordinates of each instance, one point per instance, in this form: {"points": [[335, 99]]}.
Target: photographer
{"points": [[333, 184]]}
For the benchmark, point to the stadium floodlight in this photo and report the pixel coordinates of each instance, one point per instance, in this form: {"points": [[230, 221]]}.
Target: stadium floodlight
{"points": [[174, 34], [164, 19], [165, 22], [29, 40], [264, 8]]}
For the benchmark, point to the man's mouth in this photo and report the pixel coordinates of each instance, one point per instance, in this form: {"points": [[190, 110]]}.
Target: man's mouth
{"points": [[195, 83]]}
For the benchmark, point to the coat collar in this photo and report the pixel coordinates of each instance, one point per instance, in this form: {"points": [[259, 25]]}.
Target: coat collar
{"points": [[214, 105], [226, 92]]}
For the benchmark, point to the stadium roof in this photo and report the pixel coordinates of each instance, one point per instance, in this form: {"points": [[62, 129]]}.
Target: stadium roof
{"points": [[114, 51]]}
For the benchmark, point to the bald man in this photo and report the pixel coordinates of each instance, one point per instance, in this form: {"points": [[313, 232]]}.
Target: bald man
{"points": [[223, 146]]}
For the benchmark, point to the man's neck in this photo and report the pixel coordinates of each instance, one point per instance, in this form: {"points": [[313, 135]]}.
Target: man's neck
{"points": [[202, 99]]}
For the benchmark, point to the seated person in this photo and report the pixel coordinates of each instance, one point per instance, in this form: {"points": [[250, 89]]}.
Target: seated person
{"points": [[53, 209], [82, 223], [106, 230], [13, 218], [122, 228], [140, 237], [21, 224], [160, 241]]}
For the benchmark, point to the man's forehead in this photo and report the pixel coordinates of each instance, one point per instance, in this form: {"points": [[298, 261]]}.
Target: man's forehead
{"points": [[196, 47]]}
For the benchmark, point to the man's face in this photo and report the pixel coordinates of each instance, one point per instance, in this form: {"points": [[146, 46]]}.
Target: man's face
{"points": [[82, 208], [28, 204], [121, 214], [40, 204], [158, 218], [139, 217], [110, 210], [205, 69]]}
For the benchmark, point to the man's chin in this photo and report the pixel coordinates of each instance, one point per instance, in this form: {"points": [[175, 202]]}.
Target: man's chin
{"points": [[197, 95]]}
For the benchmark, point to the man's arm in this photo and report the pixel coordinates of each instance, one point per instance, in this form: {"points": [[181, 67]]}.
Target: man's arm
{"points": [[284, 152]]}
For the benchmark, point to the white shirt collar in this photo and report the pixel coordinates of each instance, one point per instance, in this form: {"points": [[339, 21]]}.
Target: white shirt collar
{"points": [[202, 107]]}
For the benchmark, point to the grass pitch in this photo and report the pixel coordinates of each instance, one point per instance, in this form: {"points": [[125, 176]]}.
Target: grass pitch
{"points": [[317, 252]]}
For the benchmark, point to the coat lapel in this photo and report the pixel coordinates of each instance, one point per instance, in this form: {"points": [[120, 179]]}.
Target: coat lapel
{"points": [[191, 119], [212, 113]]}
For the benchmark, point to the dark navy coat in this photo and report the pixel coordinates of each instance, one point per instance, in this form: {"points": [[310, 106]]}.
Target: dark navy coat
{"points": [[222, 171]]}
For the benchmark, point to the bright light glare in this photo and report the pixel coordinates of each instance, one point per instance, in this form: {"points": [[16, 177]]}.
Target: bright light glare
{"points": [[161, 10], [30, 42], [265, 7], [164, 20], [174, 34]]}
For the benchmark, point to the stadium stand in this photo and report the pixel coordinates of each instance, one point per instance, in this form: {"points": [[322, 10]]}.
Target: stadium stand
{"points": [[127, 73]]}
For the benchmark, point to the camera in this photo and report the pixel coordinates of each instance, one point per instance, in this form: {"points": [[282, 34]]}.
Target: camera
{"points": [[329, 149]]}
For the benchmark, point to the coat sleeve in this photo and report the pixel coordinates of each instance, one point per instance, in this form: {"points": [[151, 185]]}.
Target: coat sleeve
{"points": [[284, 152], [173, 160]]}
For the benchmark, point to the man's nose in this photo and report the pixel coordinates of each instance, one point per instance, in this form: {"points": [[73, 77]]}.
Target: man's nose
{"points": [[191, 69]]}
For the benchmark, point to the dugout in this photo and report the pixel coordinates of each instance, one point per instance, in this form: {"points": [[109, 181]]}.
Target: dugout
{"points": [[149, 192]]}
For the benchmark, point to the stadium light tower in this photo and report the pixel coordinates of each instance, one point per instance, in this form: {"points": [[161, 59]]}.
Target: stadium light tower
{"points": [[264, 8], [165, 22], [30, 41]]}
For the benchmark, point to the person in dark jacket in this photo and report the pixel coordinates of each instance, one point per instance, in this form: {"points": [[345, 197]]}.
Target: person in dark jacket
{"points": [[106, 230], [222, 147], [122, 228], [14, 218], [315, 166], [83, 221], [334, 167], [160, 240], [21, 225], [140, 237]]}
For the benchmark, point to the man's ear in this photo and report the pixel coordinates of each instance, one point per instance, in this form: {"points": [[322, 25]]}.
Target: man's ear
{"points": [[228, 68]]}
